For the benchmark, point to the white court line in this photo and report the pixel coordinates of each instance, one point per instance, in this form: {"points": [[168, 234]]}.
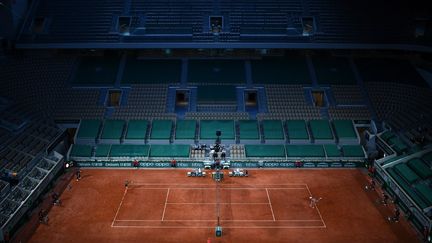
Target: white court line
{"points": [[212, 188], [214, 220], [166, 200], [118, 209], [161, 184], [226, 227], [316, 207], [205, 227], [271, 208], [211, 203]]}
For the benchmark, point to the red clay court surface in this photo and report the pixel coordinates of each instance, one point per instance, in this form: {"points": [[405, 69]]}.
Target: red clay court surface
{"points": [[268, 206]]}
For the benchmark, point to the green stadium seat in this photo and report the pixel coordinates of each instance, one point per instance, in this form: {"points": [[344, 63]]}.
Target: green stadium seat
{"points": [[136, 130], [185, 129], [311, 150], [216, 71], [427, 157], [88, 129], [161, 130], [273, 130], [129, 150], [409, 175], [332, 150], [420, 168], [425, 192], [297, 130], [265, 151], [289, 70], [249, 130], [170, 151], [102, 150], [321, 130], [79, 150], [208, 129], [151, 71], [353, 151], [407, 188], [112, 131], [344, 129]]}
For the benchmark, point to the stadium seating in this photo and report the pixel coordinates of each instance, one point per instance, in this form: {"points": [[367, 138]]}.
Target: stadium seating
{"points": [[139, 71], [347, 94], [402, 106], [216, 71], [412, 173], [333, 70], [244, 21], [289, 70], [288, 102]]}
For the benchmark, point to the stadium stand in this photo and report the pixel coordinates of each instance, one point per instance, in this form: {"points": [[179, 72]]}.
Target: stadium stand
{"points": [[169, 151], [297, 131], [402, 106], [321, 131], [88, 131], [284, 106], [161, 131], [208, 130], [347, 94], [167, 17], [64, 63], [144, 102], [287, 70], [333, 70], [95, 71], [273, 131], [345, 131], [243, 21], [216, 94], [389, 70], [216, 71], [217, 115], [112, 131], [185, 131], [249, 132], [411, 174], [136, 131], [142, 71], [69, 22]]}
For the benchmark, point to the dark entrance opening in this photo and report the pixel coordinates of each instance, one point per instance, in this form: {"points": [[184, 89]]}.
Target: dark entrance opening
{"points": [[216, 24], [114, 98], [251, 98], [182, 98], [124, 23], [308, 24], [38, 26], [319, 98]]}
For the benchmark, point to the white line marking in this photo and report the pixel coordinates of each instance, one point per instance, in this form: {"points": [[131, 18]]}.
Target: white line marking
{"points": [[118, 209], [316, 207], [211, 203], [161, 184], [150, 188], [205, 227], [271, 208], [227, 227], [214, 220], [166, 200], [210, 188]]}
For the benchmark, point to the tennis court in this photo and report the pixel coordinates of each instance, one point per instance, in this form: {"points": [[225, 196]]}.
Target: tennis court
{"points": [[268, 206], [186, 206]]}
